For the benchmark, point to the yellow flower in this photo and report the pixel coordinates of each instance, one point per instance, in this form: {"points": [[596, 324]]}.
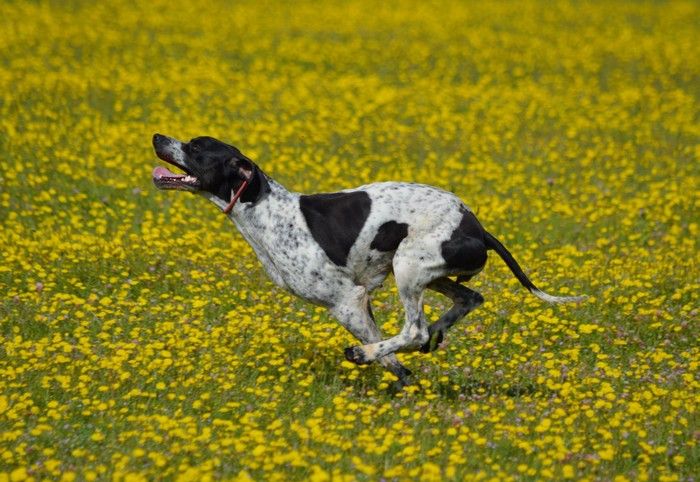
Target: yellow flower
{"points": [[19, 474], [544, 425], [607, 453]]}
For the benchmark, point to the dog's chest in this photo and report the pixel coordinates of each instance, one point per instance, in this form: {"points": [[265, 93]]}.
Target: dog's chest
{"points": [[278, 234]]}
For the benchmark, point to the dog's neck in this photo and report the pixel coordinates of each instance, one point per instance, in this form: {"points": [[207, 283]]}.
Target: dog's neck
{"points": [[265, 188], [257, 220]]}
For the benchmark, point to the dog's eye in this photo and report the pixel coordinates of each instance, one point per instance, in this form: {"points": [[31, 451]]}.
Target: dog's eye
{"points": [[194, 148]]}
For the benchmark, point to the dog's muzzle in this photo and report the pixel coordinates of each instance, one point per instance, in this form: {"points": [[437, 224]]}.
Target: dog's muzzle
{"points": [[170, 151]]}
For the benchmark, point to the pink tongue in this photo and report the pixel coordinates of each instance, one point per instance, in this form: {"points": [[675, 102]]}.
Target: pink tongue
{"points": [[160, 172]]}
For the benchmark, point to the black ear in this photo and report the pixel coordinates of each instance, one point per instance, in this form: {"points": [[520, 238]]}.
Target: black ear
{"points": [[247, 170]]}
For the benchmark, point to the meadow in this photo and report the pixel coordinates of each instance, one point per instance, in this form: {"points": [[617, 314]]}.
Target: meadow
{"points": [[141, 340]]}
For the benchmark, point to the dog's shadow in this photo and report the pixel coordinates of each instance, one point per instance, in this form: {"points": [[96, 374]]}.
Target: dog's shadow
{"points": [[475, 388], [454, 389]]}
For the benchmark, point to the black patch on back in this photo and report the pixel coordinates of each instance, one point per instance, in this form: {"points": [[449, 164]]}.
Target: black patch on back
{"points": [[465, 249], [389, 235], [335, 221]]}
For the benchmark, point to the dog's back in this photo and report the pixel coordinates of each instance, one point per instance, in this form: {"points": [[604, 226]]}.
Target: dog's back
{"points": [[402, 214]]}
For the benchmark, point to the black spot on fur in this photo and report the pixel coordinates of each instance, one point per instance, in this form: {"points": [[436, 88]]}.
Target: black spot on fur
{"points": [[389, 235], [335, 221], [465, 250]]}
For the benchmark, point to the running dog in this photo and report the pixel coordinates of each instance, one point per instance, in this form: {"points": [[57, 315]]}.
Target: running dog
{"points": [[334, 249]]}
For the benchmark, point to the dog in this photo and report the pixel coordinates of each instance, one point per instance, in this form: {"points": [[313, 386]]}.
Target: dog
{"points": [[334, 249]]}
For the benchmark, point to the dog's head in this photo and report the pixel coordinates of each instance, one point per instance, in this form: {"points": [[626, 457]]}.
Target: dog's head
{"points": [[211, 167]]}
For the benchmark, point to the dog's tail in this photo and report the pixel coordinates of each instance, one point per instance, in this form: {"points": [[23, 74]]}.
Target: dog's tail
{"points": [[492, 243]]}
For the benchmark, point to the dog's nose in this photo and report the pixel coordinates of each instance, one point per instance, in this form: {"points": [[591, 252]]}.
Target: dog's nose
{"points": [[159, 140]]}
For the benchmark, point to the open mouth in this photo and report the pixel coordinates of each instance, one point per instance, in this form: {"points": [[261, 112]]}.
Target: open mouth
{"points": [[163, 178], [170, 151]]}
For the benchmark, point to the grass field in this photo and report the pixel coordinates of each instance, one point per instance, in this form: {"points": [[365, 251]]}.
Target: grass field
{"points": [[140, 338]]}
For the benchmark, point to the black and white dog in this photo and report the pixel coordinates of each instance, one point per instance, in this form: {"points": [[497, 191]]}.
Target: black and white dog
{"points": [[334, 249]]}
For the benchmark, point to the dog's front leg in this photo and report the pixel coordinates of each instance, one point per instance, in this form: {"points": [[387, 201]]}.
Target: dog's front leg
{"points": [[354, 313], [409, 278]]}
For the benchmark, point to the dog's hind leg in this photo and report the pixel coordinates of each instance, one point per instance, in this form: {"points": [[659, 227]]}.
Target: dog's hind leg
{"points": [[355, 314], [465, 300]]}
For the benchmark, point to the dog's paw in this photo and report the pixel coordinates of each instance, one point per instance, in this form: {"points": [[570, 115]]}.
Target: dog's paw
{"points": [[356, 355], [433, 342]]}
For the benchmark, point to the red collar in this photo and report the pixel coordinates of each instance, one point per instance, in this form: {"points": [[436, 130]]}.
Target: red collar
{"points": [[235, 197]]}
